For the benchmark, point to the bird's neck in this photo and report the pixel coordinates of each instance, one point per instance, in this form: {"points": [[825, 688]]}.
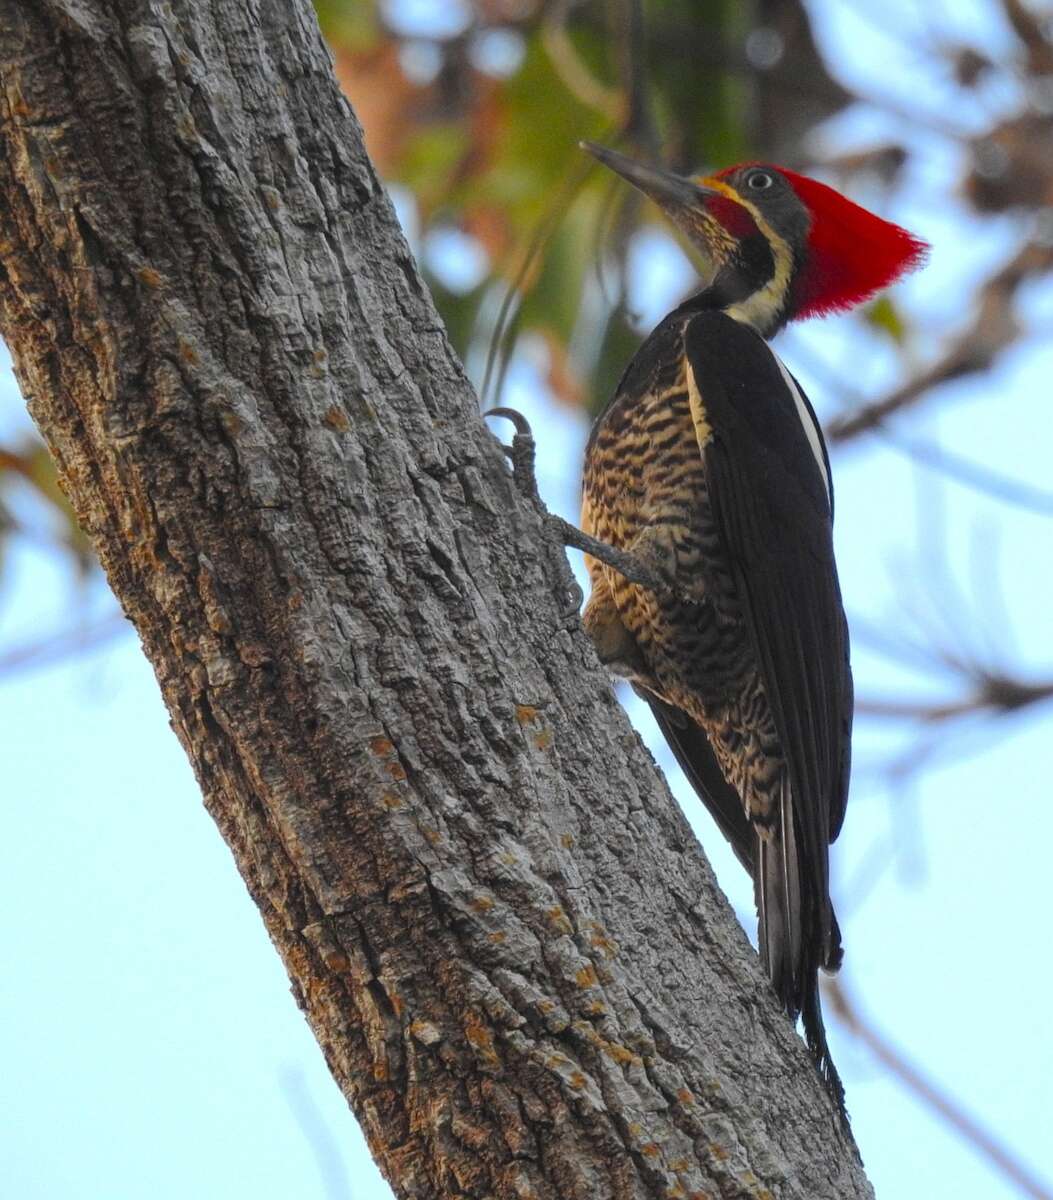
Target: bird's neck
{"points": [[762, 308], [754, 283]]}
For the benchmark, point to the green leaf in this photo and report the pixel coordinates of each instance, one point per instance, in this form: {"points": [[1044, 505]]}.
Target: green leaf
{"points": [[883, 315]]}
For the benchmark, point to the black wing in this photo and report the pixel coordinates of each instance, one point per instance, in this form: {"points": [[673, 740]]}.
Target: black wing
{"points": [[771, 505]]}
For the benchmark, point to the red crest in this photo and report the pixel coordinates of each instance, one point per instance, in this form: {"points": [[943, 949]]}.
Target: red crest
{"points": [[852, 253]]}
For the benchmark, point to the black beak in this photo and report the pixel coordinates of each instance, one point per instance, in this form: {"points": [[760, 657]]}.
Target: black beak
{"points": [[669, 191]]}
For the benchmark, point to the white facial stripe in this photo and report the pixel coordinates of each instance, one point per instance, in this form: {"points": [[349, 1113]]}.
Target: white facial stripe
{"points": [[811, 430], [759, 310], [763, 308]]}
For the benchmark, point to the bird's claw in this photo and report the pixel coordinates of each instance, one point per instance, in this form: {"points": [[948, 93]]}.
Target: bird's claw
{"points": [[521, 453], [575, 596]]}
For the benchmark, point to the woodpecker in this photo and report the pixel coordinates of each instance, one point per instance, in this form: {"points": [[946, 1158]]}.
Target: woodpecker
{"points": [[708, 467]]}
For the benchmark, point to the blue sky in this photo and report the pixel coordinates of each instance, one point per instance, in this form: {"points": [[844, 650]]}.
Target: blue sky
{"points": [[148, 1029]]}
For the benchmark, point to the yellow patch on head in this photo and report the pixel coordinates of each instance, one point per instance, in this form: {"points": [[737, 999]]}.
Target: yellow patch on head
{"points": [[718, 185]]}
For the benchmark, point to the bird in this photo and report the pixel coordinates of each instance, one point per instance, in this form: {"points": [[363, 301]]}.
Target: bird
{"points": [[708, 470]]}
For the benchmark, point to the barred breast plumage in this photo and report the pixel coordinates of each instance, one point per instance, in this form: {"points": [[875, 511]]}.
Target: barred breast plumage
{"points": [[645, 490]]}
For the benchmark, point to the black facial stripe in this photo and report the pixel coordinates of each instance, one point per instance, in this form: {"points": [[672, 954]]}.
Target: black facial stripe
{"points": [[747, 271]]}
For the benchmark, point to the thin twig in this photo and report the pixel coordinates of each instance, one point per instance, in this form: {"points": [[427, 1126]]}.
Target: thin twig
{"points": [[996, 695], [325, 1147], [911, 1077], [993, 330], [640, 125], [65, 644], [547, 223], [970, 473], [1027, 26], [574, 74], [965, 471]]}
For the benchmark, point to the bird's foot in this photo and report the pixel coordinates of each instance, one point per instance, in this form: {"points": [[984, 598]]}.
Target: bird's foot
{"points": [[632, 566], [521, 454]]}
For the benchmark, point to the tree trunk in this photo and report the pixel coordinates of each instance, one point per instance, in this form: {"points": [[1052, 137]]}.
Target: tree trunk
{"points": [[496, 920]]}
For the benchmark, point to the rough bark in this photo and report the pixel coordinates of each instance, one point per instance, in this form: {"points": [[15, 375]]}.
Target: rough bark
{"points": [[497, 922]]}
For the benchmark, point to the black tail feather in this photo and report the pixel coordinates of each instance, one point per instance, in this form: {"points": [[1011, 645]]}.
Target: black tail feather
{"points": [[815, 1036], [797, 931], [780, 930], [797, 935]]}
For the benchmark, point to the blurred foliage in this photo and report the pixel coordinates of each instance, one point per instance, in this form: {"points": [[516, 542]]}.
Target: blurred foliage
{"points": [[26, 466], [481, 121], [474, 108]]}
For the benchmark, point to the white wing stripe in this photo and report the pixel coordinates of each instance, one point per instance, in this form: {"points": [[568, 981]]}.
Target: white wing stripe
{"points": [[811, 430]]}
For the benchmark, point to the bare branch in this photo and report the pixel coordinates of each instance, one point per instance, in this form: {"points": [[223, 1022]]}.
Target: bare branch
{"points": [[993, 330], [995, 695], [982, 1140], [971, 474], [1028, 27], [66, 644]]}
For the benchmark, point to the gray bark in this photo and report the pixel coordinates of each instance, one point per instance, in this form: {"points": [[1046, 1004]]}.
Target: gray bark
{"points": [[494, 917]]}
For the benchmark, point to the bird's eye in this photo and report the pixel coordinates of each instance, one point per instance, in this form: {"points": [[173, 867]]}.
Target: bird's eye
{"points": [[760, 181]]}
